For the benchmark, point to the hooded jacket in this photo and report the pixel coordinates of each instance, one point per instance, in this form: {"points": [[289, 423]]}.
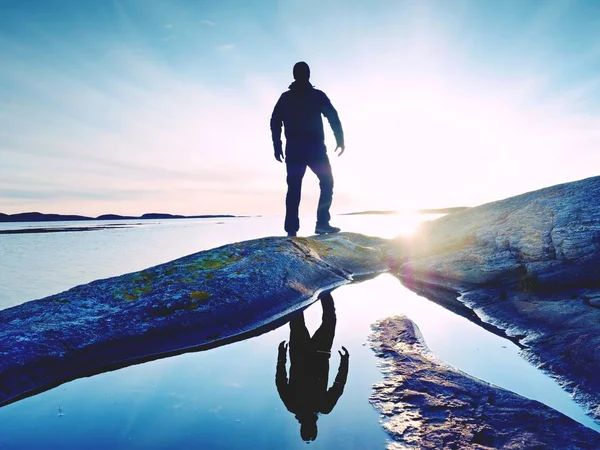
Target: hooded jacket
{"points": [[299, 111]]}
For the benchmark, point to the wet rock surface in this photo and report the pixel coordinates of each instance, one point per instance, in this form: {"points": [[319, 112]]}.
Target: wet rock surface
{"points": [[560, 333], [426, 404], [528, 267], [194, 302]]}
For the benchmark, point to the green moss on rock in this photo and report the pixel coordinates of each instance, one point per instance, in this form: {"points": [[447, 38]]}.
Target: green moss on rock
{"points": [[199, 295]]}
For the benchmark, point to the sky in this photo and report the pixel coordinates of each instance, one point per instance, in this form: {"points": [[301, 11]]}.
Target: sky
{"points": [[134, 106]]}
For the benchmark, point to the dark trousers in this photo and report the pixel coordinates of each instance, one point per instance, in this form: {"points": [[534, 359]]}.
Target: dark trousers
{"points": [[309, 356], [296, 168]]}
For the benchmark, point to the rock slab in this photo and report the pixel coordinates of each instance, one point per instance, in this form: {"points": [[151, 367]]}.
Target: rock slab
{"points": [[200, 300], [547, 239], [426, 404]]}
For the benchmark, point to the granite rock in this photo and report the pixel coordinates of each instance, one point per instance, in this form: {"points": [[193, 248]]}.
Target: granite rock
{"points": [[426, 404], [198, 301], [548, 238]]}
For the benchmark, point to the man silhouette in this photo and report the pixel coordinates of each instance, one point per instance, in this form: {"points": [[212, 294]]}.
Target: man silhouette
{"points": [[299, 110], [306, 394]]}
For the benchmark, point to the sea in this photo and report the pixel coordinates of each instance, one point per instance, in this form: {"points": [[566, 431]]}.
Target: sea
{"points": [[226, 397]]}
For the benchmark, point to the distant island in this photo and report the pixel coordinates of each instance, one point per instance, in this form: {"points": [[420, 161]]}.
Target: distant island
{"points": [[451, 210], [371, 212], [41, 217]]}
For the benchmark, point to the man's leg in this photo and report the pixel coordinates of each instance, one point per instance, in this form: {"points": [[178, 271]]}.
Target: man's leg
{"points": [[321, 344], [295, 173], [322, 340], [322, 169], [299, 350], [299, 335]]}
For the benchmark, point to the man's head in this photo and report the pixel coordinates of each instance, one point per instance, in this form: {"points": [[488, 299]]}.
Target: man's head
{"points": [[301, 71], [308, 427]]}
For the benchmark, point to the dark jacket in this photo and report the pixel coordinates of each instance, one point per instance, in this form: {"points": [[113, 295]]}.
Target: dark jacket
{"points": [[299, 110], [306, 391]]}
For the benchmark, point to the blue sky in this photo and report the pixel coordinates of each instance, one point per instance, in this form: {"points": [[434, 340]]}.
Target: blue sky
{"points": [[131, 106]]}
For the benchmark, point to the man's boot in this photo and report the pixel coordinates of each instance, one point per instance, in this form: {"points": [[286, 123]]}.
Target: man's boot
{"points": [[326, 229]]}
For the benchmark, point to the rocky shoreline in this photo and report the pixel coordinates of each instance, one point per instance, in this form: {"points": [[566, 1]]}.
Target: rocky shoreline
{"points": [[528, 266], [202, 300]]}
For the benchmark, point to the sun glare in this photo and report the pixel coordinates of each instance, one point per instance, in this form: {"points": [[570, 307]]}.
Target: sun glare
{"points": [[388, 226]]}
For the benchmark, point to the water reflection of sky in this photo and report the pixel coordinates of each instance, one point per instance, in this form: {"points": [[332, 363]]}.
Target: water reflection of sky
{"points": [[226, 397]]}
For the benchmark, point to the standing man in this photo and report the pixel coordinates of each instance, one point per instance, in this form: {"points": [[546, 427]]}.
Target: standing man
{"points": [[299, 110]]}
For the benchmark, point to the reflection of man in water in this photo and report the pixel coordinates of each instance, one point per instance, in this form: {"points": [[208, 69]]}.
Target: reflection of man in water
{"points": [[306, 394]]}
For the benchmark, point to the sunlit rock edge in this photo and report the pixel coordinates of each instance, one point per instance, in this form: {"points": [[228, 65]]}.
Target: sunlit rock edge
{"points": [[426, 404]]}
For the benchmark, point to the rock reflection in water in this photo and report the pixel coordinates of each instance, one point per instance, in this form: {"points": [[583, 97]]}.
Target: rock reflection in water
{"points": [[305, 394]]}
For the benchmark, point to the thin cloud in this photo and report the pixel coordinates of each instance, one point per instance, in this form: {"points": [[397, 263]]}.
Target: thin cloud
{"points": [[225, 47], [207, 23]]}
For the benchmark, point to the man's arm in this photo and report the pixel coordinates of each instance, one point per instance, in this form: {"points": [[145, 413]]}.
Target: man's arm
{"points": [[334, 121], [281, 380], [276, 123], [335, 392]]}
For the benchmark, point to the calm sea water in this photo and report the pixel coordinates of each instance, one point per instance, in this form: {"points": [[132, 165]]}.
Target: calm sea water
{"points": [[226, 397]]}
